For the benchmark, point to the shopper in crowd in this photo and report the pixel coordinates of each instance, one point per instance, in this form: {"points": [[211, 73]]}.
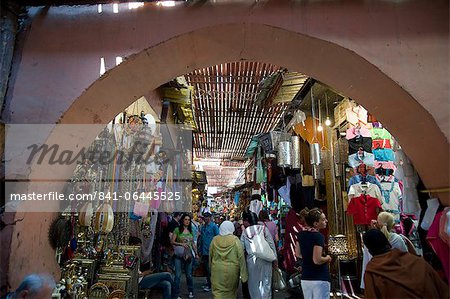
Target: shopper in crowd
{"points": [[273, 229], [161, 281], [167, 239], [315, 274], [35, 286], [385, 223], [260, 271], [207, 232], [237, 227], [395, 274], [174, 223], [182, 237], [149, 280], [227, 261]]}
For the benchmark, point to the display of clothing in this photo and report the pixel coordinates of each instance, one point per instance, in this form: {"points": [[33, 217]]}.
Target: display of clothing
{"points": [[256, 206], [365, 189], [380, 134], [439, 246], [392, 196], [385, 165], [406, 173], [356, 115], [444, 226], [358, 142], [356, 159], [364, 209], [384, 154], [381, 143], [292, 228], [353, 132], [359, 179]]}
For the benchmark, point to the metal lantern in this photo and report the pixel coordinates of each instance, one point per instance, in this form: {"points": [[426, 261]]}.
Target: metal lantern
{"points": [[341, 151], [326, 159], [284, 154], [338, 246], [315, 153], [103, 219], [296, 164], [317, 172]]}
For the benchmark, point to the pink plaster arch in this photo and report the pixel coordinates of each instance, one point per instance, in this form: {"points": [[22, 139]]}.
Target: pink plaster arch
{"points": [[332, 64]]}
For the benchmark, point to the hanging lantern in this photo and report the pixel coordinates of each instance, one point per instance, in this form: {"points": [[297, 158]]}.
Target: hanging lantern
{"points": [[341, 151], [295, 152], [315, 153], [85, 214], [103, 219], [326, 159], [338, 246], [284, 154], [317, 172]]}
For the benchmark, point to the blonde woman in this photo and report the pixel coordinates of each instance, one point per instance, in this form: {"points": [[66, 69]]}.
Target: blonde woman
{"points": [[385, 223]]}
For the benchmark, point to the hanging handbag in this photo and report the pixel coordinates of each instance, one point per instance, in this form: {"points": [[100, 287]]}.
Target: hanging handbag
{"points": [[278, 282], [259, 247]]}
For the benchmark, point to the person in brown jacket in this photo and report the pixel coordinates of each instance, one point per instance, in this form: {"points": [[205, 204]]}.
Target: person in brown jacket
{"points": [[395, 274]]}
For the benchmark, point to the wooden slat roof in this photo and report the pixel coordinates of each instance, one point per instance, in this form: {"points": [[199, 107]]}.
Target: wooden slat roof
{"points": [[224, 107]]}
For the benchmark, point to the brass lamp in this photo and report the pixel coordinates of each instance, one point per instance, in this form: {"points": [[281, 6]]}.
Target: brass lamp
{"points": [[338, 246]]}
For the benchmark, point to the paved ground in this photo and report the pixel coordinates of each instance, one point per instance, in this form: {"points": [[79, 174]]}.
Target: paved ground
{"points": [[200, 294]]}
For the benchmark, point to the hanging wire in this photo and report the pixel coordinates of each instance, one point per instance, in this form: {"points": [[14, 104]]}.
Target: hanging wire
{"points": [[313, 112]]}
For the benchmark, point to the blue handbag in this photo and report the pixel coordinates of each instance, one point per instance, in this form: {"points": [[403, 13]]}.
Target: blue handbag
{"points": [[383, 154]]}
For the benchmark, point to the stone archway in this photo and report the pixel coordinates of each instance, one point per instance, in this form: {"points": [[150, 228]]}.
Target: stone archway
{"points": [[334, 65]]}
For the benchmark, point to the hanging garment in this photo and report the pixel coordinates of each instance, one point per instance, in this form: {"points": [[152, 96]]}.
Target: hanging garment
{"points": [[358, 142], [356, 159], [365, 189], [385, 165], [380, 134], [353, 132], [444, 226], [364, 209], [356, 115], [385, 154], [439, 247], [392, 196], [256, 206], [359, 179], [381, 143]]}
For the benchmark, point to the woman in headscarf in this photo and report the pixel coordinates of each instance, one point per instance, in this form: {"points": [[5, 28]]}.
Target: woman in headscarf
{"points": [[226, 257], [260, 278]]}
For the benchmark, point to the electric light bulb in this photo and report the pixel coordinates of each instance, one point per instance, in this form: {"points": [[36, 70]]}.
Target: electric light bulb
{"points": [[328, 122], [320, 128]]}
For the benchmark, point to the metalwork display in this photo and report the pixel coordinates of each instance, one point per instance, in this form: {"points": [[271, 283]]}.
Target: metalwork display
{"points": [[296, 163], [338, 246], [315, 154], [284, 154]]}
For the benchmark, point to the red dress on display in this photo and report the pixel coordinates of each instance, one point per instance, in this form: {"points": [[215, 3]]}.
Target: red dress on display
{"points": [[293, 227]]}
